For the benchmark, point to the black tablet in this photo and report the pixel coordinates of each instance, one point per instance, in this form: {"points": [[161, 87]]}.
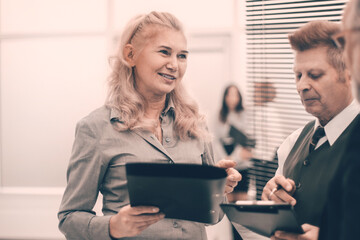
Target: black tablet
{"points": [[263, 217], [181, 191]]}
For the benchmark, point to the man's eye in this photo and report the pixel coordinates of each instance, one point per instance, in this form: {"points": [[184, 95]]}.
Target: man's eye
{"points": [[298, 76], [315, 76]]}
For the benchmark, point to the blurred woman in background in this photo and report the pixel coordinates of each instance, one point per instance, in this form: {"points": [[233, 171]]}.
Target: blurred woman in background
{"points": [[232, 118]]}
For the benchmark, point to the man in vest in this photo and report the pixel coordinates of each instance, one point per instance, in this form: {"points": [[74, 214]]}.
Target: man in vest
{"points": [[310, 156], [341, 218]]}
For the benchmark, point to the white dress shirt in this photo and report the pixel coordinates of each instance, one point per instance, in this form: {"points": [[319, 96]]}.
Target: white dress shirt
{"points": [[333, 130]]}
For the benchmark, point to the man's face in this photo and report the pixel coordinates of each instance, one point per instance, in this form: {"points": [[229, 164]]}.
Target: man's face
{"points": [[322, 93]]}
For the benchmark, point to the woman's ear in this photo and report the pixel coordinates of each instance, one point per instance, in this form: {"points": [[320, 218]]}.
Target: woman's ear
{"points": [[128, 53]]}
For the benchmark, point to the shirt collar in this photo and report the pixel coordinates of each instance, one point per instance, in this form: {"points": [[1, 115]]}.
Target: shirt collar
{"points": [[169, 107], [116, 115], [340, 122]]}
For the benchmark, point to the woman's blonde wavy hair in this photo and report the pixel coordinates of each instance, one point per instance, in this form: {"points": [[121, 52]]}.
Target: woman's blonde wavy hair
{"points": [[122, 93]]}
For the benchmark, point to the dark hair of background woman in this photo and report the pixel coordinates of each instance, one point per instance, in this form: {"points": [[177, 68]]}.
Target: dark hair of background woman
{"points": [[224, 111]]}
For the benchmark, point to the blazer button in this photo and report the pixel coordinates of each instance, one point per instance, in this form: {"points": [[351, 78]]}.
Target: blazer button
{"points": [[306, 162], [167, 139], [176, 225], [298, 186]]}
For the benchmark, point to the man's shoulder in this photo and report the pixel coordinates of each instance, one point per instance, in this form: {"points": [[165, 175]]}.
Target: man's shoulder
{"points": [[295, 134], [290, 140]]}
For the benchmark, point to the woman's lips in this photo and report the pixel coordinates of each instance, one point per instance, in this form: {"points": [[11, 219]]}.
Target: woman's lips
{"points": [[167, 76]]}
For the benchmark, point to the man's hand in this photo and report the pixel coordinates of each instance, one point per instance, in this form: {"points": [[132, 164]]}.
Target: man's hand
{"points": [[233, 175], [130, 221], [310, 233], [279, 189]]}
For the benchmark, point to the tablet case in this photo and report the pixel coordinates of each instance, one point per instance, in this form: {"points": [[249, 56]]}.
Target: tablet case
{"points": [[240, 138], [181, 191], [263, 219]]}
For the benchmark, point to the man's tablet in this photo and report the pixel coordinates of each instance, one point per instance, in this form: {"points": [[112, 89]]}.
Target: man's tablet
{"points": [[263, 217]]}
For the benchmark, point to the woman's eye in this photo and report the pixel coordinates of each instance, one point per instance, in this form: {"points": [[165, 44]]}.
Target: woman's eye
{"points": [[182, 56], [166, 52]]}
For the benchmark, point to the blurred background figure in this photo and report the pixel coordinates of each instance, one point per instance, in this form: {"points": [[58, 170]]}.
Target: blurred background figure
{"points": [[232, 120], [264, 95], [265, 127], [264, 92], [232, 117]]}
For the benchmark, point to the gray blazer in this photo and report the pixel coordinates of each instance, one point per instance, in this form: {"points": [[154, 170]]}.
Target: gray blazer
{"points": [[97, 164]]}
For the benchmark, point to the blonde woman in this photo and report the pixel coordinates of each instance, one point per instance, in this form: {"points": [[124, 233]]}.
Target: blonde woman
{"points": [[147, 117]]}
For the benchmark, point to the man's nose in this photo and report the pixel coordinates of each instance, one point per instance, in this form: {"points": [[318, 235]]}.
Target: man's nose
{"points": [[303, 84]]}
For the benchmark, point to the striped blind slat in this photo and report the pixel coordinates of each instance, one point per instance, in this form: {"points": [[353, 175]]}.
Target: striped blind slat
{"points": [[262, 171]]}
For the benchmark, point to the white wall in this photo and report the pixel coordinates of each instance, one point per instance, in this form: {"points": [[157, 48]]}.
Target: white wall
{"points": [[53, 69]]}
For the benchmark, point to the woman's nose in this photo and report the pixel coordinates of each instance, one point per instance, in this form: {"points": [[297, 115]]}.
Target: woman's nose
{"points": [[172, 64]]}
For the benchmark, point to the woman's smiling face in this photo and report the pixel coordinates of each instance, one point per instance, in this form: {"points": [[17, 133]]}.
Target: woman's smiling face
{"points": [[161, 63]]}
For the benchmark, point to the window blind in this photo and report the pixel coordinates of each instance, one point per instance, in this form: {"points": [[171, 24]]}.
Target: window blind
{"points": [[275, 109]]}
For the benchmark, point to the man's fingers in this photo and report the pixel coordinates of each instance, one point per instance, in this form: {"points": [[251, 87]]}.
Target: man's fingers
{"points": [[293, 185], [270, 186], [264, 196], [281, 196], [272, 193], [285, 197], [286, 235], [285, 183]]}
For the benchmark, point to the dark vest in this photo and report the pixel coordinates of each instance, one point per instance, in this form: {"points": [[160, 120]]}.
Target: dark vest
{"points": [[313, 172], [341, 214]]}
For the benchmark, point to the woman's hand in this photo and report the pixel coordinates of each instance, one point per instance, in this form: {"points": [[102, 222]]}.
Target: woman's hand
{"points": [[130, 221], [233, 175]]}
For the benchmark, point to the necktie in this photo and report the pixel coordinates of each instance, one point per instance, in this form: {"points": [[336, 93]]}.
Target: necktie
{"points": [[319, 133]]}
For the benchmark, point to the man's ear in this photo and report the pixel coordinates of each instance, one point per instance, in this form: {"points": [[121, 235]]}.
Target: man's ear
{"points": [[129, 54]]}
